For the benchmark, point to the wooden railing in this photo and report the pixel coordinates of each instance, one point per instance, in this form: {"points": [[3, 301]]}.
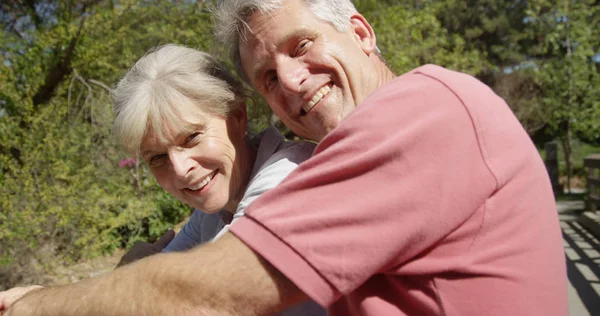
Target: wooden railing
{"points": [[592, 163]]}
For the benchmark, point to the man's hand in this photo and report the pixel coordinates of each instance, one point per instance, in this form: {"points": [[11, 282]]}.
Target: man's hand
{"points": [[8, 297], [143, 249]]}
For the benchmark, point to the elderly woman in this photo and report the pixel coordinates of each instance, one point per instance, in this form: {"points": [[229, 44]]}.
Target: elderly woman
{"points": [[186, 116]]}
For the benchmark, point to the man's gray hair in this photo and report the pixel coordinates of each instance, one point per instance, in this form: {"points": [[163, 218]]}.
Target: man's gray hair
{"points": [[149, 97], [231, 18]]}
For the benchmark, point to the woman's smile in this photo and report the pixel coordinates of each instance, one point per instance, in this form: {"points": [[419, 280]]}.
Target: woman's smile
{"points": [[203, 186]]}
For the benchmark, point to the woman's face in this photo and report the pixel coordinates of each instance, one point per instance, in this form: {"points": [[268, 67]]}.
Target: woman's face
{"points": [[207, 168]]}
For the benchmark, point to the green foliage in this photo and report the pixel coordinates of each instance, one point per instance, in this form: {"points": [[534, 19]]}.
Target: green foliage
{"points": [[410, 37], [568, 74], [566, 69], [491, 26]]}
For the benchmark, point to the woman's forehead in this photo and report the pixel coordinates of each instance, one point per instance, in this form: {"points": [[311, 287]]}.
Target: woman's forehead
{"points": [[168, 131]]}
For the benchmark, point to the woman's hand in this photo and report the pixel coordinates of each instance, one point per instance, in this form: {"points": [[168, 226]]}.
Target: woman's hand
{"points": [[143, 249], [8, 297]]}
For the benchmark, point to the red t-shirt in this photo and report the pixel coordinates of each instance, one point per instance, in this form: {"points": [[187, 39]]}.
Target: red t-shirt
{"points": [[429, 199]]}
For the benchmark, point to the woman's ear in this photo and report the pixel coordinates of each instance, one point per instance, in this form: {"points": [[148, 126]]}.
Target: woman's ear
{"points": [[239, 117], [363, 33]]}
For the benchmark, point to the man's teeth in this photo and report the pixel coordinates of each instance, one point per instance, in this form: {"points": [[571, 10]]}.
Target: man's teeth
{"points": [[204, 182], [316, 98]]}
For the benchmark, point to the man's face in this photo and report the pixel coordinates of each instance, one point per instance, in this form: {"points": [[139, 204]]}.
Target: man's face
{"points": [[311, 75]]}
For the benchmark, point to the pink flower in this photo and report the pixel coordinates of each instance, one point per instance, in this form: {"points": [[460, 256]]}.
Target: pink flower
{"points": [[129, 163]]}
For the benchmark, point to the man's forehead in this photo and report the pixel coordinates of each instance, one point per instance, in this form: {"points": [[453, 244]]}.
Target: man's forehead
{"points": [[254, 44], [289, 16], [265, 33]]}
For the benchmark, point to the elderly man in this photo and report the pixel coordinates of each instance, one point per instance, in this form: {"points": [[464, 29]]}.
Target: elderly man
{"points": [[424, 197]]}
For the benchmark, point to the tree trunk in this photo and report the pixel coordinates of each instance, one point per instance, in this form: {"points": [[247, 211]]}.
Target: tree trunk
{"points": [[567, 141], [567, 149], [56, 75]]}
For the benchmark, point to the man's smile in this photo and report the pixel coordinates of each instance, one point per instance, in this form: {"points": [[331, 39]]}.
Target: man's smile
{"points": [[318, 96]]}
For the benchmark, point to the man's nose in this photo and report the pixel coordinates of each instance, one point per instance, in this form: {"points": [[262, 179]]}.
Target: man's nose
{"points": [[181, 163], [291, 73]]}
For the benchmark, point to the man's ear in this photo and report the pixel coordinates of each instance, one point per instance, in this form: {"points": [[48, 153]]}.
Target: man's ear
{"points": [[363, 33]]}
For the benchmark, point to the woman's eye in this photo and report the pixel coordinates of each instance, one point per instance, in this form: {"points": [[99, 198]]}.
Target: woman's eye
{"points": [[157, 160], [192, 137]]}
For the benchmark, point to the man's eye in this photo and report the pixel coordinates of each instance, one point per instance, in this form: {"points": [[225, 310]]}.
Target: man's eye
{"points": [[303, 46], [157, 160], [271, 81]]}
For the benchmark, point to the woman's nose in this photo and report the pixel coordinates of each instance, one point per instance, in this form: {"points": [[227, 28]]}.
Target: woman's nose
{"points": [[181, 163]]}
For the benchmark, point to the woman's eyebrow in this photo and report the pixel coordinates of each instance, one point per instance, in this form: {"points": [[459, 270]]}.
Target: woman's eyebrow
{"points": [[147, 153]]}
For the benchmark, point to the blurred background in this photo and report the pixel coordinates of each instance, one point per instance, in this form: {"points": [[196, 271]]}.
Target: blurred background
{"points": [[69, 196]]}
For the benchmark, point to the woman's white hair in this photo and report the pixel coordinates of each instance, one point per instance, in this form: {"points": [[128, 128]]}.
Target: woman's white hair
{"points": [[231, 18], [149, 96]]}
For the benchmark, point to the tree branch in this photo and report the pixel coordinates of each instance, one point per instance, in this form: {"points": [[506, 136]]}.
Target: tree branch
{"points": [[89, 88], [101, 84], [56, 75]]}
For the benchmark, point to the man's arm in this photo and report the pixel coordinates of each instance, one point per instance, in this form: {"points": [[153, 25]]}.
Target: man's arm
{"points": [[221, 278]]}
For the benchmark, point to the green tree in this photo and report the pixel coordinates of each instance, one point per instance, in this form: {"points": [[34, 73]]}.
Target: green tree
{"points": [[566, 68], [491, 26], [412, 35]]}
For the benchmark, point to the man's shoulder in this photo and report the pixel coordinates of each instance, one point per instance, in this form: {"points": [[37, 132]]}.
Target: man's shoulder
{"points": [[415, 85], [424, 83], [459, 83], [421, 95], [434, 73]]}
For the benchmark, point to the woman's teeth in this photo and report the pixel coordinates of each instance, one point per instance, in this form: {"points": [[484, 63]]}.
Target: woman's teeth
{"points": [[316, 98], [204, 182]]}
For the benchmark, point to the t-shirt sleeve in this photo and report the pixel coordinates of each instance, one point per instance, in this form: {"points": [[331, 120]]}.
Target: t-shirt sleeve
{"points": [[397, 176], [275, 169]]}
